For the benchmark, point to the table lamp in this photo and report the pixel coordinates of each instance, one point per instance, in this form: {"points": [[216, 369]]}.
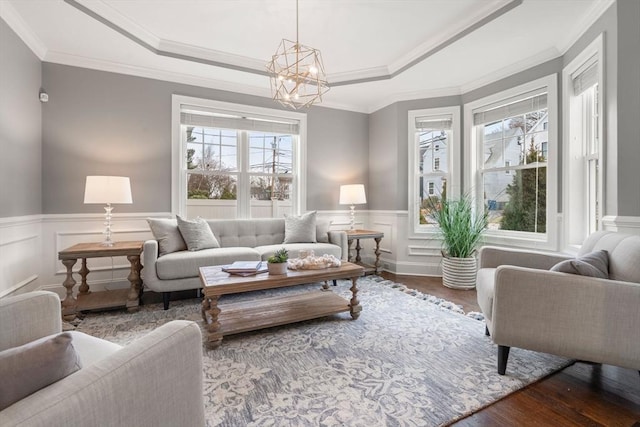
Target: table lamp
{"points": [[352, 194], [107, 189]]}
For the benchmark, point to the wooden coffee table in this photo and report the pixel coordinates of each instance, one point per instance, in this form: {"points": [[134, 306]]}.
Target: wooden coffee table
{"points": [[234, 318]]}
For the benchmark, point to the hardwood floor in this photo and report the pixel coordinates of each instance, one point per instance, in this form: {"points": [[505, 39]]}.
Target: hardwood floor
{"points": [[582, 394]]}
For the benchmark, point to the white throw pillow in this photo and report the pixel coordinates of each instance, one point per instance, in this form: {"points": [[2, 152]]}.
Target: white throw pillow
{"points": [[300, 229], [197, 234], [166, 232]]}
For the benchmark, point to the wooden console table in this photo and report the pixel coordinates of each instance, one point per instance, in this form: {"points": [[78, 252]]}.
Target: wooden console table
{"points": [[88, 300], [365, 234]]}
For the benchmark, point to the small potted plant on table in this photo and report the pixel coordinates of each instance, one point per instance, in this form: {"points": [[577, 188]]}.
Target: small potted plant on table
{"points": [[277, 263]]}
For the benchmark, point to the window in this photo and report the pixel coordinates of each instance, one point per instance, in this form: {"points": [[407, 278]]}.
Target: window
{"points": [[583, 173], [235, 161], [433, 161], [512, 161]]}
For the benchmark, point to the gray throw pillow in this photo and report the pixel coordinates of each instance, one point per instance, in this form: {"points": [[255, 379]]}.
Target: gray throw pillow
{"points": [[35, 365], [593, 264], [166, 232], [300, 229], [197, 234], [322, 231]]}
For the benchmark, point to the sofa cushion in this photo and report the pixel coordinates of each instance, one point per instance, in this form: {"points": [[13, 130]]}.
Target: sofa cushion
{"points": [[248, 232], [35, 365], [185, 264], [166, 232], [293, 248], [300, 229], [197, 234], [322, 230], [594, 264]]}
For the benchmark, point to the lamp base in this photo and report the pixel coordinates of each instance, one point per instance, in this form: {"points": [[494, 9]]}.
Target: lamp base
{"points": [[107, 232], [352, 221]]}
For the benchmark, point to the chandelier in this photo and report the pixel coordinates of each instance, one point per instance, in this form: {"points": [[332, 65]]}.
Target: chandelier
{"points": [[297, 74]]}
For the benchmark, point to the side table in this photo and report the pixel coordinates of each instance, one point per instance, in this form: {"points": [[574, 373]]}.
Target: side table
{"points": [[365, 234], [88, 300]]}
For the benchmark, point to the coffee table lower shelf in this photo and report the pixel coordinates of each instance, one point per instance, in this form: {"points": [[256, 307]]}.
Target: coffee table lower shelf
{"points": [[247, 316]]}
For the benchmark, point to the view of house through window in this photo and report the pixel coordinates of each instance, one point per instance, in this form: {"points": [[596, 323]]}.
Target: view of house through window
{"points": [[513, 142], [433, 135]]}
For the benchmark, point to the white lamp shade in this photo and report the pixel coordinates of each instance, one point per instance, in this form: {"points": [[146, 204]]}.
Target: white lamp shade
{"points": [[352, 194], [107, 189]]}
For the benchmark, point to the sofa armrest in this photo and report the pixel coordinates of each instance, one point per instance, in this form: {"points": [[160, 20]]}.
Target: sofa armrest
{"points": [[566, 314], [27, 317], [149, 259], [493, 257], [339, 237], [154, 381]]}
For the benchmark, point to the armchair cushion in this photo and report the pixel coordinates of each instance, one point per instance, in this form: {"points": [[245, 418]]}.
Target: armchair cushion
{"points": [[32, 366], [593, 264]]}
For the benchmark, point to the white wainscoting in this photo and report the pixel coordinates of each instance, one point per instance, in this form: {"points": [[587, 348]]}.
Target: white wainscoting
{"points": [[623, 224], [20, 253], [62, 231], [29, 246]]}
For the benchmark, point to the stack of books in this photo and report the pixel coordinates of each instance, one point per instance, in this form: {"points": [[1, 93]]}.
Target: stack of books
{"points": [[246, 268]]}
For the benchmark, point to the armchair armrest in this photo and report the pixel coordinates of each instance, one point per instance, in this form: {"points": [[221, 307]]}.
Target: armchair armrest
{"points": [[156, 380], [566, 314], [339, 237], [27, 317], [493, 257]]}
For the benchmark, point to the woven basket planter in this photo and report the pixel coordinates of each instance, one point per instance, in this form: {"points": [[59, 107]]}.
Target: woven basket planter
{"points": [[459, 273]]}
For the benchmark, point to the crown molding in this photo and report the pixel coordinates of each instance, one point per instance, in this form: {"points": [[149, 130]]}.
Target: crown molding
{"points": [[170, 76], [510, 70], [20, 27], [154, 73], [592, 16], [105, 14], [485, 15], [415, 95]]}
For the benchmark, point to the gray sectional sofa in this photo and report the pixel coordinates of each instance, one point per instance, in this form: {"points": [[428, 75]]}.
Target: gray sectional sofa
{"points": [[239, 240]]}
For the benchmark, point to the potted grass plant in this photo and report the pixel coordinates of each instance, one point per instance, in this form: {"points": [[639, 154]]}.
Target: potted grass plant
{"points": [[277, 263], [461, 228]]}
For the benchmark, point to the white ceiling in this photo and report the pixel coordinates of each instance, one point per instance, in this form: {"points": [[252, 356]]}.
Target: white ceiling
{"points": [[402, 49]]}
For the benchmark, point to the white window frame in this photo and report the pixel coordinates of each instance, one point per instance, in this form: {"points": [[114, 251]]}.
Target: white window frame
{"points": [[473, 162], [178, 154], [573, 178], [453, 164]]}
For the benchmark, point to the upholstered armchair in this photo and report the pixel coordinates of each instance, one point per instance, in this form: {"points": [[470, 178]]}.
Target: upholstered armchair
{"points": [[586, 318], [154, 381]]}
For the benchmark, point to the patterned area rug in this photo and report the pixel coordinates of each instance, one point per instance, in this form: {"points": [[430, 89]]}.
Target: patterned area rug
{"points": [[409, 360]]}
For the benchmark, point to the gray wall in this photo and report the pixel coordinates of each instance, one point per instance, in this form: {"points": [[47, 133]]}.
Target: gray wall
{"points": [[388, 126], [621, 28], [20, 127], [105, 123], [628, 107]]}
